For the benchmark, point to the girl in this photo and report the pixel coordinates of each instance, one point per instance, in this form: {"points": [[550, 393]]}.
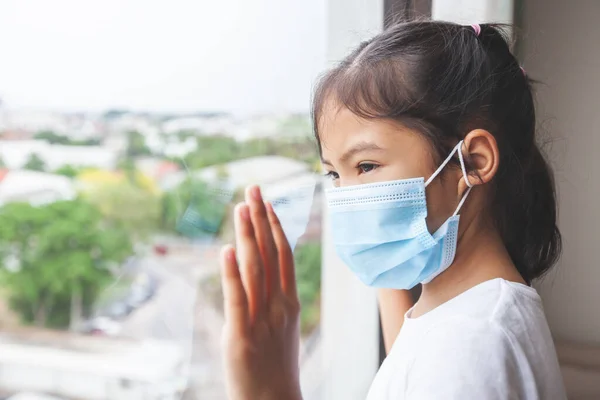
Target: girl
{"points": [[428, 132]]}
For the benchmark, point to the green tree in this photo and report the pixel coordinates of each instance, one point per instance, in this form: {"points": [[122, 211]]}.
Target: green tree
{"points": [[54, 138], [183, 135], [136, 145], [127, 165], [68, 171], [215, 150], [308, 276], [35, 163], [222, 172], [130, 206], [296, 125], [114, 113], [51, 137], [55, 259]]}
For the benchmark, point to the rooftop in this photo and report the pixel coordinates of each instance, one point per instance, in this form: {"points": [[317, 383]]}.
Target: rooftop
{"points": [[262, 170], [147, 360], [34, 187]]}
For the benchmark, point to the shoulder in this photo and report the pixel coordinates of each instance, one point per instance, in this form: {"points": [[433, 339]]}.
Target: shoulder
{"points": [[480, 346], [465, 334], [483, 329], [469, 358]]}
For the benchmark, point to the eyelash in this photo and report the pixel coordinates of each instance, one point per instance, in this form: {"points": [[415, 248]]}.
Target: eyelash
{"points": [[373, 167], [334, 175]]}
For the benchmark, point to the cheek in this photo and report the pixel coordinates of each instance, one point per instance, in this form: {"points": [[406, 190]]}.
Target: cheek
{"points": [[441, 203], [407, 168]]}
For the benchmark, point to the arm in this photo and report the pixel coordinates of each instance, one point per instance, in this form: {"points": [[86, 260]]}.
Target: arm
{"points": [[393, 304]]}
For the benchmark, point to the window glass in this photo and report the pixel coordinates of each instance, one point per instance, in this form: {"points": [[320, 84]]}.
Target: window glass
{"points": [[128, 131]]}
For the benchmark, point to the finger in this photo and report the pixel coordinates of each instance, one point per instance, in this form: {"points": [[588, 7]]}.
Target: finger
{"points": [[251, 267], [264, 238], [234, 294], [286, 257]]}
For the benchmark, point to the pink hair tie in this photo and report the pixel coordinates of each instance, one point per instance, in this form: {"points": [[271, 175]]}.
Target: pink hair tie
{"points": [[477, 29], [523, 71]]}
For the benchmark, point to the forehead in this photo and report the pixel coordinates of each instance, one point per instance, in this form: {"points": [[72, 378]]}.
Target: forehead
{"points": [[340, 129]]}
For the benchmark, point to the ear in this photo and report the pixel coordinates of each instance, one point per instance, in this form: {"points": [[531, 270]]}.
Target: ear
{"points": [[482, 157]]}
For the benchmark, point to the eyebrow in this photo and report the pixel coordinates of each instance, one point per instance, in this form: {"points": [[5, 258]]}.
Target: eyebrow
{"points": [[357, 148]]}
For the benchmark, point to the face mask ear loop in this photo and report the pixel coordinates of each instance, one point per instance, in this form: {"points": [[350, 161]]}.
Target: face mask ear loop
{"points": [[466, 176], [458, 148], [446, 161]]}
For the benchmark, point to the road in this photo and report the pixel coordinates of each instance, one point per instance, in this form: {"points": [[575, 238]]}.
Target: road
{"points": [[179, 313], [182, 313]]}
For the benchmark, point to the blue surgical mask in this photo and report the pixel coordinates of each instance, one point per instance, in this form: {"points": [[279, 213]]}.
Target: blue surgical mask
{"points": [[380, 231]]}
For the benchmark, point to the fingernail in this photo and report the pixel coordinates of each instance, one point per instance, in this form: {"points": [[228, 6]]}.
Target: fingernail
{"points": [[244, 212], [230, 253], [269, 207], [225, 250], [256, 193]]}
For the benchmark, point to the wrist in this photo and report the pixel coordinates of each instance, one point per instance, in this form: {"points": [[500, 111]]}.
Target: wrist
{"points": [[291, 392]]}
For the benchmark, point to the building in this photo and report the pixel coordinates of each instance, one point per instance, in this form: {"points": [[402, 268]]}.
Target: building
{"points": [[16, 153], [33, 121], [36, 188], [261, 170], [200, 125], [131, 122], [155, 168], [92, 368], [175, 148], [276, 175], [83, 127]]}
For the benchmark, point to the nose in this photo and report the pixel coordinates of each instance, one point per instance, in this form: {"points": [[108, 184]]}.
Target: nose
{"points": [[347, 182]]}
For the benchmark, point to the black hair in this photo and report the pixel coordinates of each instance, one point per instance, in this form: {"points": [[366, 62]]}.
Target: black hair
{"points": [[444, 80]]}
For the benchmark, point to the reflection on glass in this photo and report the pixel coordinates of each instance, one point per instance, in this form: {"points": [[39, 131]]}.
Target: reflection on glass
{"points": [[206, 208]]}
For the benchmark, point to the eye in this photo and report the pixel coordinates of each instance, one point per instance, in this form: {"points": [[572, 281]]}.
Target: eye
{"points": [[367, 167], [332, 175]]}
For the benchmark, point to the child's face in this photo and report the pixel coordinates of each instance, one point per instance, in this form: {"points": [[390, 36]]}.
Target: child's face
{"points": [[357, 151]]}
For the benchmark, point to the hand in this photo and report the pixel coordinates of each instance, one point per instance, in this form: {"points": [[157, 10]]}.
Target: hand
{"points": [[261, 334]]}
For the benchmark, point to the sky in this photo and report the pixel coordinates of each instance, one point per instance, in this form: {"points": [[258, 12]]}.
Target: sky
{"points": [[238, 56]]}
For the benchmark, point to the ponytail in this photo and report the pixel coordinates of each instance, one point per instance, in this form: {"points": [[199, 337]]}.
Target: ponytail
{"points": [[525, 214], [525, 199]]}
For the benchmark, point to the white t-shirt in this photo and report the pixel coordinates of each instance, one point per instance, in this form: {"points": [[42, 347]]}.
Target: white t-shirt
{"points": [[490, 342]]}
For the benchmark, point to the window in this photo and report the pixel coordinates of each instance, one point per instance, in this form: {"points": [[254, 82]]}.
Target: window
{"points": [[127, 130]]}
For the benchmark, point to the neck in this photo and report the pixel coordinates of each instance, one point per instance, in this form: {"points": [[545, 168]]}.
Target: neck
{"points": [[480, 256]]}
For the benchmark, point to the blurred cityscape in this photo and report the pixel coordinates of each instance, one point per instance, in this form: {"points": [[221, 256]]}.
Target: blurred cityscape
{"points": [[110, 227]]}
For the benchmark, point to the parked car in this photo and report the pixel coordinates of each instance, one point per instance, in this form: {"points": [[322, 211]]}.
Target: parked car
{"points": [[161, 249], [102, 326], [118, 309], [142, 290]]}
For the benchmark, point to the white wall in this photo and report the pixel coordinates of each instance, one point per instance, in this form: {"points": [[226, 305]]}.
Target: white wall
{"points": [[350, 324], [472, 11], [560, 47]]}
